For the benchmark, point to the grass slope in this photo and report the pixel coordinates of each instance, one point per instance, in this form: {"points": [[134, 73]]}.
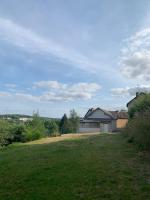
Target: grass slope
{"points": [[89, 168]]}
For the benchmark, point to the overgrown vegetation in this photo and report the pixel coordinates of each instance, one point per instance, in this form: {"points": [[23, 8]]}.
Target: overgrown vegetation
{"points": [[13, 130], [138, 128], [71, 124]]}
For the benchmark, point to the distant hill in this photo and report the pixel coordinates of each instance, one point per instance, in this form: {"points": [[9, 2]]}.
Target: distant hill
{"points": [[18, 116]]}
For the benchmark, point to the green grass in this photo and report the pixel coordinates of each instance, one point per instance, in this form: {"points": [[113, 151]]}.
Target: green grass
{"points": [[89, 168]]}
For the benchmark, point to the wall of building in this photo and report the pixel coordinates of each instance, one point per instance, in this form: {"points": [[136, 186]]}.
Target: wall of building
{"points": [[113, 126], [121, 123], [89, 130]]}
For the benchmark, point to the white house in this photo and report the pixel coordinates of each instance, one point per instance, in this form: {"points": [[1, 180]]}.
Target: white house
{"points": [[99, 120]]}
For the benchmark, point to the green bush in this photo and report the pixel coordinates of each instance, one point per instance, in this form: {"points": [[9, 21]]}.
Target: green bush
{"points": [[32, 134], [138, 130], [35, 129], [5, 137], [17, 131], [141, 105]]}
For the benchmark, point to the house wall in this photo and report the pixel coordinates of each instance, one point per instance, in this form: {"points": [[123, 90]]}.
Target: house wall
{"points": [[89, 130], [113, 125], [121, 123], [86, 127]]}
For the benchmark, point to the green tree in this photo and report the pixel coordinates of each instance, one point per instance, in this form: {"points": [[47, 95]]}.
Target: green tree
{"points": [[138, 127], [141, 105], [17, 132], [64, 125], [52, 127], [35, 129], [73, 121]]}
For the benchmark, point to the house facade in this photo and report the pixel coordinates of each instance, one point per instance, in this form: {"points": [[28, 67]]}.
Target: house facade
{"points": [[131, 103], [99, 120]]}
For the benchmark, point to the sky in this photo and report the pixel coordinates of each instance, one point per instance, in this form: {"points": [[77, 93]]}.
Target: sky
{"points": [[58, 55]]}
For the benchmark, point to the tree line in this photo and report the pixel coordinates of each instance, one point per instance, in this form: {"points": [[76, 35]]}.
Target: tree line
{"points": [[12, 131]]}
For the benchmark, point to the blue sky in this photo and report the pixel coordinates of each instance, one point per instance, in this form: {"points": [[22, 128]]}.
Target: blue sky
{"points": [[56, 55]]}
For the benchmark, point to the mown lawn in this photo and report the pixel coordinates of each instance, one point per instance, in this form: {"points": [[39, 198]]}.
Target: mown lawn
{"points": [[89, 168]]}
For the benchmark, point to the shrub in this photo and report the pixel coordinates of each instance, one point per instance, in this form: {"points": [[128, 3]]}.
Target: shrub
{"points": [[32, 134], [138, 130], [35, 129], [5, 136], [17, 131], [141, 105]]}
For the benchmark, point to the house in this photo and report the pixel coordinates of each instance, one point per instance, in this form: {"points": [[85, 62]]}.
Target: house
{"points": [[99, 120], [131, 103]]}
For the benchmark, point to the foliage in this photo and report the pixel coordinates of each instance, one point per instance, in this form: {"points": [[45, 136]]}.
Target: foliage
{"points": [[52, 128], [64, 124], [73, 122], [35, 129], [141, 105], [18, 131], [5, 136], [138, 130], [138, 127]]}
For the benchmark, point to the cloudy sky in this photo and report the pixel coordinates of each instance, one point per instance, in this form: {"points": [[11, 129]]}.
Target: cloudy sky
{"points": [[56, 55]]}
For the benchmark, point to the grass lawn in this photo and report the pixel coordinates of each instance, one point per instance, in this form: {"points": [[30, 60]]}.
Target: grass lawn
{"points": [[70, 168]]}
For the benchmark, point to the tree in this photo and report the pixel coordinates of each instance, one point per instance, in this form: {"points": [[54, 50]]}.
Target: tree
{"points": [[52, 128], [140, 106], [17, 131], [74, 121], [35, 129], [64, 125]]}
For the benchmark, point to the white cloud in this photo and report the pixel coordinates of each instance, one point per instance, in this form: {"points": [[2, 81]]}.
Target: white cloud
{"points": [[130, 91], [64, 92], [135, 59], [49, 85], [56, 91], [33, 43]]}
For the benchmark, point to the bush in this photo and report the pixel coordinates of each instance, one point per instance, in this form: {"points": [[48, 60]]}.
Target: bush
{"points": [[141, 105], [35, 129], [17, 131], [5, 137], [32, 134], [138, 130]]}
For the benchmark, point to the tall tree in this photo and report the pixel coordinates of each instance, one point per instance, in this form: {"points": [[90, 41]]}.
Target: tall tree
{"points": [[64, 125], [74, 121]]}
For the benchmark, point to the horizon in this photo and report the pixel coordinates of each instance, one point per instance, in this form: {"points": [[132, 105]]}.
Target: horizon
{"points": [[61, 55]]}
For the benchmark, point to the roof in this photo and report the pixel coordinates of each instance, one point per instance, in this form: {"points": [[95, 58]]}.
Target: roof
{"points": [[120, 114], [92, 110], [137, 95], [112, 114]]}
